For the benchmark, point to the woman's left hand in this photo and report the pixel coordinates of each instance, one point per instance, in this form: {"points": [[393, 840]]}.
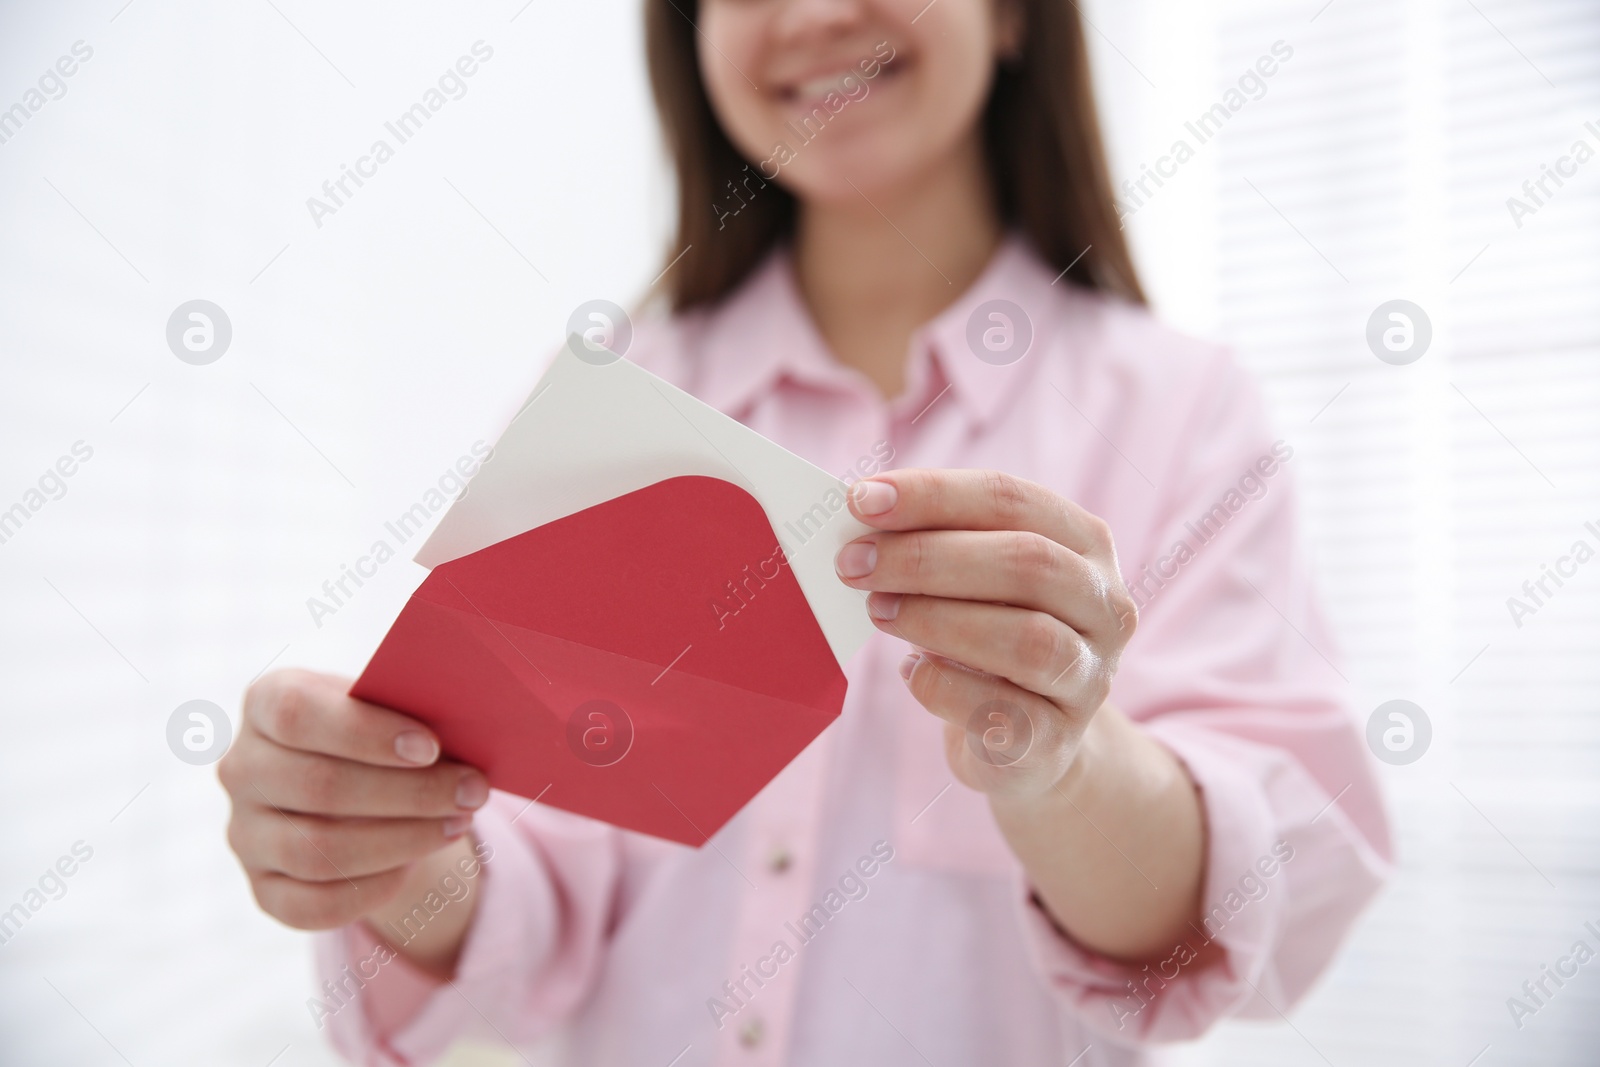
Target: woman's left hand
{"points": [[1012, 598]]}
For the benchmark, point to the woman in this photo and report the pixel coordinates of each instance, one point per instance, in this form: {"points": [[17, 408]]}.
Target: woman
{"points": [[1036, 836]]}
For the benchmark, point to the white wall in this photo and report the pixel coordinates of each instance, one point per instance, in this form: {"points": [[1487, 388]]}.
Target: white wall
{"points": [[393, 337]]}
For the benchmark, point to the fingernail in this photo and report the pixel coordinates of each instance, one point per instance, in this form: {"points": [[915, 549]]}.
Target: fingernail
{"points": [[414, 747], [857, 559], [884, 606], [456, 825], [909, 664], [472, 792], [874, 498]]}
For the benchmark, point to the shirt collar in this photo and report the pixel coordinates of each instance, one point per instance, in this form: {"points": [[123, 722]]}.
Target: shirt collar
{"points": [[954, 337], [758, 335], [763, 333]]}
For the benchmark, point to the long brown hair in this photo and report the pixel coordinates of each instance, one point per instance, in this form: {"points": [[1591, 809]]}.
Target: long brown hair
{"points": [[1041, 132]]}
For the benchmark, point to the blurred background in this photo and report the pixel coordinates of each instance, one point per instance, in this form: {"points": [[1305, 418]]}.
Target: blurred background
{"points": [[1385, 159]]}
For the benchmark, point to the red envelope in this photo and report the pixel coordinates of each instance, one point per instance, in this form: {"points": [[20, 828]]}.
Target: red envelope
{"points": [[650, 661]]}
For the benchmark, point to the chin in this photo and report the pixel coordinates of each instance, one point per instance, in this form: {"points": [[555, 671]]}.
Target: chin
{"points": [[870, 165], [843, 186]]}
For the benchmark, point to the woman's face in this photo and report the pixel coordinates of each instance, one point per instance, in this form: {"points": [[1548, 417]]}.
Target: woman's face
{"points": [[839, 98]]}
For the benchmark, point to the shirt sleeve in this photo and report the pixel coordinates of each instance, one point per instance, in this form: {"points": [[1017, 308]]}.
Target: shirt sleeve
{"points": [[1234, 669], [546, 885]]}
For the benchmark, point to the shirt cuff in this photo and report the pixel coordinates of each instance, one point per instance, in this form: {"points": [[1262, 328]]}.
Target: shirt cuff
{"points": [[401, 1016], [1215, 969]]}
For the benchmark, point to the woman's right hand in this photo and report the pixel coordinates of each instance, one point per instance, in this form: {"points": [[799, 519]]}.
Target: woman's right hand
{"points": [[335, 800]]}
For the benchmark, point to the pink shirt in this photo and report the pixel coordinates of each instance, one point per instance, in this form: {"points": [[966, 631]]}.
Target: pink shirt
{"points": [[864, 909]]}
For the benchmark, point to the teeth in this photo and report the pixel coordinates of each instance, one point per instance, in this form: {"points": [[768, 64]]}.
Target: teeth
{"points": [[816, 87]]}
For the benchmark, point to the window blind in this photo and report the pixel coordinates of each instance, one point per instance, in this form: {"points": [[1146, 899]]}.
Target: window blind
{"points": [[1378, 165]]}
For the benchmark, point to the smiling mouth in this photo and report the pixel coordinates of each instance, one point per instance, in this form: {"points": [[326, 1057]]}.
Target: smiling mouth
{"points": [[844, 82]]}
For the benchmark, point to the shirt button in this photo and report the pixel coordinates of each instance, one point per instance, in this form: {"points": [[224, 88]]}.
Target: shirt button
{"points": [[778, 859], [750, 1033]]}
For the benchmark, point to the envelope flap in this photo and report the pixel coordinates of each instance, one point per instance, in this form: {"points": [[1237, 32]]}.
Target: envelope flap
{"points": [[686, 574]]}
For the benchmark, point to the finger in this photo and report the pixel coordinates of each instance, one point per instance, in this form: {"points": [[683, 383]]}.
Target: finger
{"points": [[927, 499], [323, 905], [315, 849], [1034, 650], [315, 713], [953, 691], [314, 784], [1001, 725], [1015, 567]]}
